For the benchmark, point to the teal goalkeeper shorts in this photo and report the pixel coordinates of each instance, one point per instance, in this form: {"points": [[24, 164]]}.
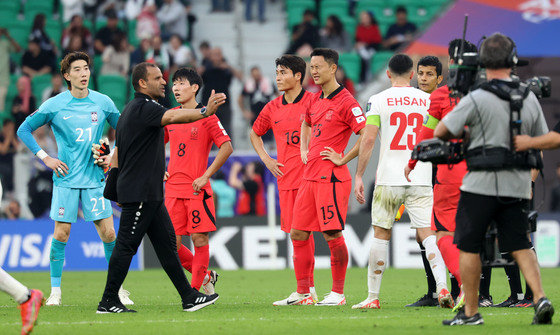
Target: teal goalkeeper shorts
{"points": [[64, 205]]}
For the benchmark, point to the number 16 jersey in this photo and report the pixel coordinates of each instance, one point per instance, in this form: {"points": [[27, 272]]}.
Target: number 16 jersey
{"points": [[401, 112]]}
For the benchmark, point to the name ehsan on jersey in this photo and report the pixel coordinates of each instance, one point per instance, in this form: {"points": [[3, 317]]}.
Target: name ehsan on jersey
{"points": [[406, 101]]}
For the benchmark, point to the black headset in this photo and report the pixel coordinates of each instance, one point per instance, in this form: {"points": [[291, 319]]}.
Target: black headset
{"points": [[512, 58]]}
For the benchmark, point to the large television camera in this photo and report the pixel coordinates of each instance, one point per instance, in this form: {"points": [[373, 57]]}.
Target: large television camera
{"points": [[465, 75]]}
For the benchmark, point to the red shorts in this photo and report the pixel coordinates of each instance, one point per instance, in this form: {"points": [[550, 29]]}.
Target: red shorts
{"points": [[446, 200], [287, 201], [321, 206], [192, 215]]}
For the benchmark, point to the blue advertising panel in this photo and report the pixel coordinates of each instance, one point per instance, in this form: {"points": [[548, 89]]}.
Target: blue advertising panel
{"points": [[25, 246]]}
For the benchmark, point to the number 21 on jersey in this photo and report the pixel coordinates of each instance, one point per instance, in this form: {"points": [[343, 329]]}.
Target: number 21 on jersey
{"points": [[402, 121]]}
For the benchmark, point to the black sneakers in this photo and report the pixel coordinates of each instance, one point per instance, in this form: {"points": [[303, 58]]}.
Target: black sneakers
{"points": [[462, 319], [109, 306], [427, 300], [200, 301], [543, 312], [509, 302], [526, 302]]}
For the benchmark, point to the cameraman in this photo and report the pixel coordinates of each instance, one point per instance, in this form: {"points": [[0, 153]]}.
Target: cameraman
{"points": [[500, 194]]}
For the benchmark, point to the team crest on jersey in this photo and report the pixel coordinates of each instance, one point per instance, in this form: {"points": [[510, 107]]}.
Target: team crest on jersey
{"points": [[328, 116], [93, 116], [61, 211], [194, 133]]}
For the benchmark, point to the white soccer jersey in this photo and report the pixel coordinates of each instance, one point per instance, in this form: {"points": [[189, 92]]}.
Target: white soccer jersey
{"points": [[401, 112]]}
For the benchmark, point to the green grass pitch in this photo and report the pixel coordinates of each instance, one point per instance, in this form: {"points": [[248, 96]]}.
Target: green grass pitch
{"points": [[245, 306]]}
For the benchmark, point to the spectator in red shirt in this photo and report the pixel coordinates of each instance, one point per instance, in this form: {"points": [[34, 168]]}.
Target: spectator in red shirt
{"points": [[368, 40], [251, 199]]}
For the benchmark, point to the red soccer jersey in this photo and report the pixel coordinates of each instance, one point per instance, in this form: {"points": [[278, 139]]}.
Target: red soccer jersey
{"points": [[190, 145], [285, 121], [440, 105], [332, 120]]}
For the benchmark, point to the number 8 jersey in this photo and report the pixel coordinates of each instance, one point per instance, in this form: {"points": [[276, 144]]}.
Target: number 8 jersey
{"points": [[190, 145], [399, 112]]}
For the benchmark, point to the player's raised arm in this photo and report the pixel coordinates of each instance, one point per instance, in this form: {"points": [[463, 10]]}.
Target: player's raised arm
{"points": [[173, 116], [305, 137]]}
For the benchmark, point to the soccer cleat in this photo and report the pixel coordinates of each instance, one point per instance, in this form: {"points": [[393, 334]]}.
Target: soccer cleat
{"points": [[123, 296], [55, 299], [427, 300], [485, 301], [332, 299], [294, 299], [200, 301], [445, 299], [210, 281], [30, 310], [543, 312], [313, 294], [368, 304], [526, 302], [509, 302], [460, 303], [462, 319], [108, 306]]}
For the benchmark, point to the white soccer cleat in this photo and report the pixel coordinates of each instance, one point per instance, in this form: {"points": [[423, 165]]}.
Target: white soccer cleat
{"points": [[367, 304], [209, 282], [313, 294], [123, 297], [333, 299], [55, 299], [295, 299]]}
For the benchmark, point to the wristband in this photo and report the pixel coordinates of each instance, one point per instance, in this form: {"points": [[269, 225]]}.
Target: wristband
{"points": [[41, 154]]}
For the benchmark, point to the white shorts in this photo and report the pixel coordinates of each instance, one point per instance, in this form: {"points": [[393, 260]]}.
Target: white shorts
{"points": [[418, 201]]}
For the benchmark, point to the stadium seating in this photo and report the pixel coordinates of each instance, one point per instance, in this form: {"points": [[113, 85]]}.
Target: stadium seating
{"points": [[12, 92], [34, 7], [115, 86], [379, 61], [38, 85], [20, 31], [10, 6], [352, 65]]}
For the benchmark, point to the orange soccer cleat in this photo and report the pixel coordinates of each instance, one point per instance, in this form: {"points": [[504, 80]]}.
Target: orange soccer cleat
{"points": [[30, 311]]}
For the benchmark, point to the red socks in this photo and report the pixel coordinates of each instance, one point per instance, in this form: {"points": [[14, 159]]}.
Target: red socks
{"points": [[303, 264], [200, 265], [450, 255], [339, 263], [311, 276], [186, 258]]}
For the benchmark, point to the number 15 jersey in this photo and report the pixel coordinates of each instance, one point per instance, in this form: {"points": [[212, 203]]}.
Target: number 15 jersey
{"points": [[401, 112]]}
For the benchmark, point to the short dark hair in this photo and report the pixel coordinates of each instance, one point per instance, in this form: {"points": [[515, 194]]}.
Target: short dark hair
{"points": [[309, 12], [456, 45], [401, 9], [190, 75], [204, 44], [294, 63], [330, 55], [431, 61], [400, 64], [139, 72], [495, 51], [68, 60]]}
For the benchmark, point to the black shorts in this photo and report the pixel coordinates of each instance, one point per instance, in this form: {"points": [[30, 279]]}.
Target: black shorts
{"points": [[476, 212]]}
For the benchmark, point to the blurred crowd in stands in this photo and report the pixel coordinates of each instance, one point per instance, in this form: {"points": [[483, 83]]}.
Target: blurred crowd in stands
{"points": [[118, 34]]}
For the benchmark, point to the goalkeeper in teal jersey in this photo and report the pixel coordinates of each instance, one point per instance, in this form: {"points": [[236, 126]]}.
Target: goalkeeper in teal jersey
{"points": [[77, 118]]}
